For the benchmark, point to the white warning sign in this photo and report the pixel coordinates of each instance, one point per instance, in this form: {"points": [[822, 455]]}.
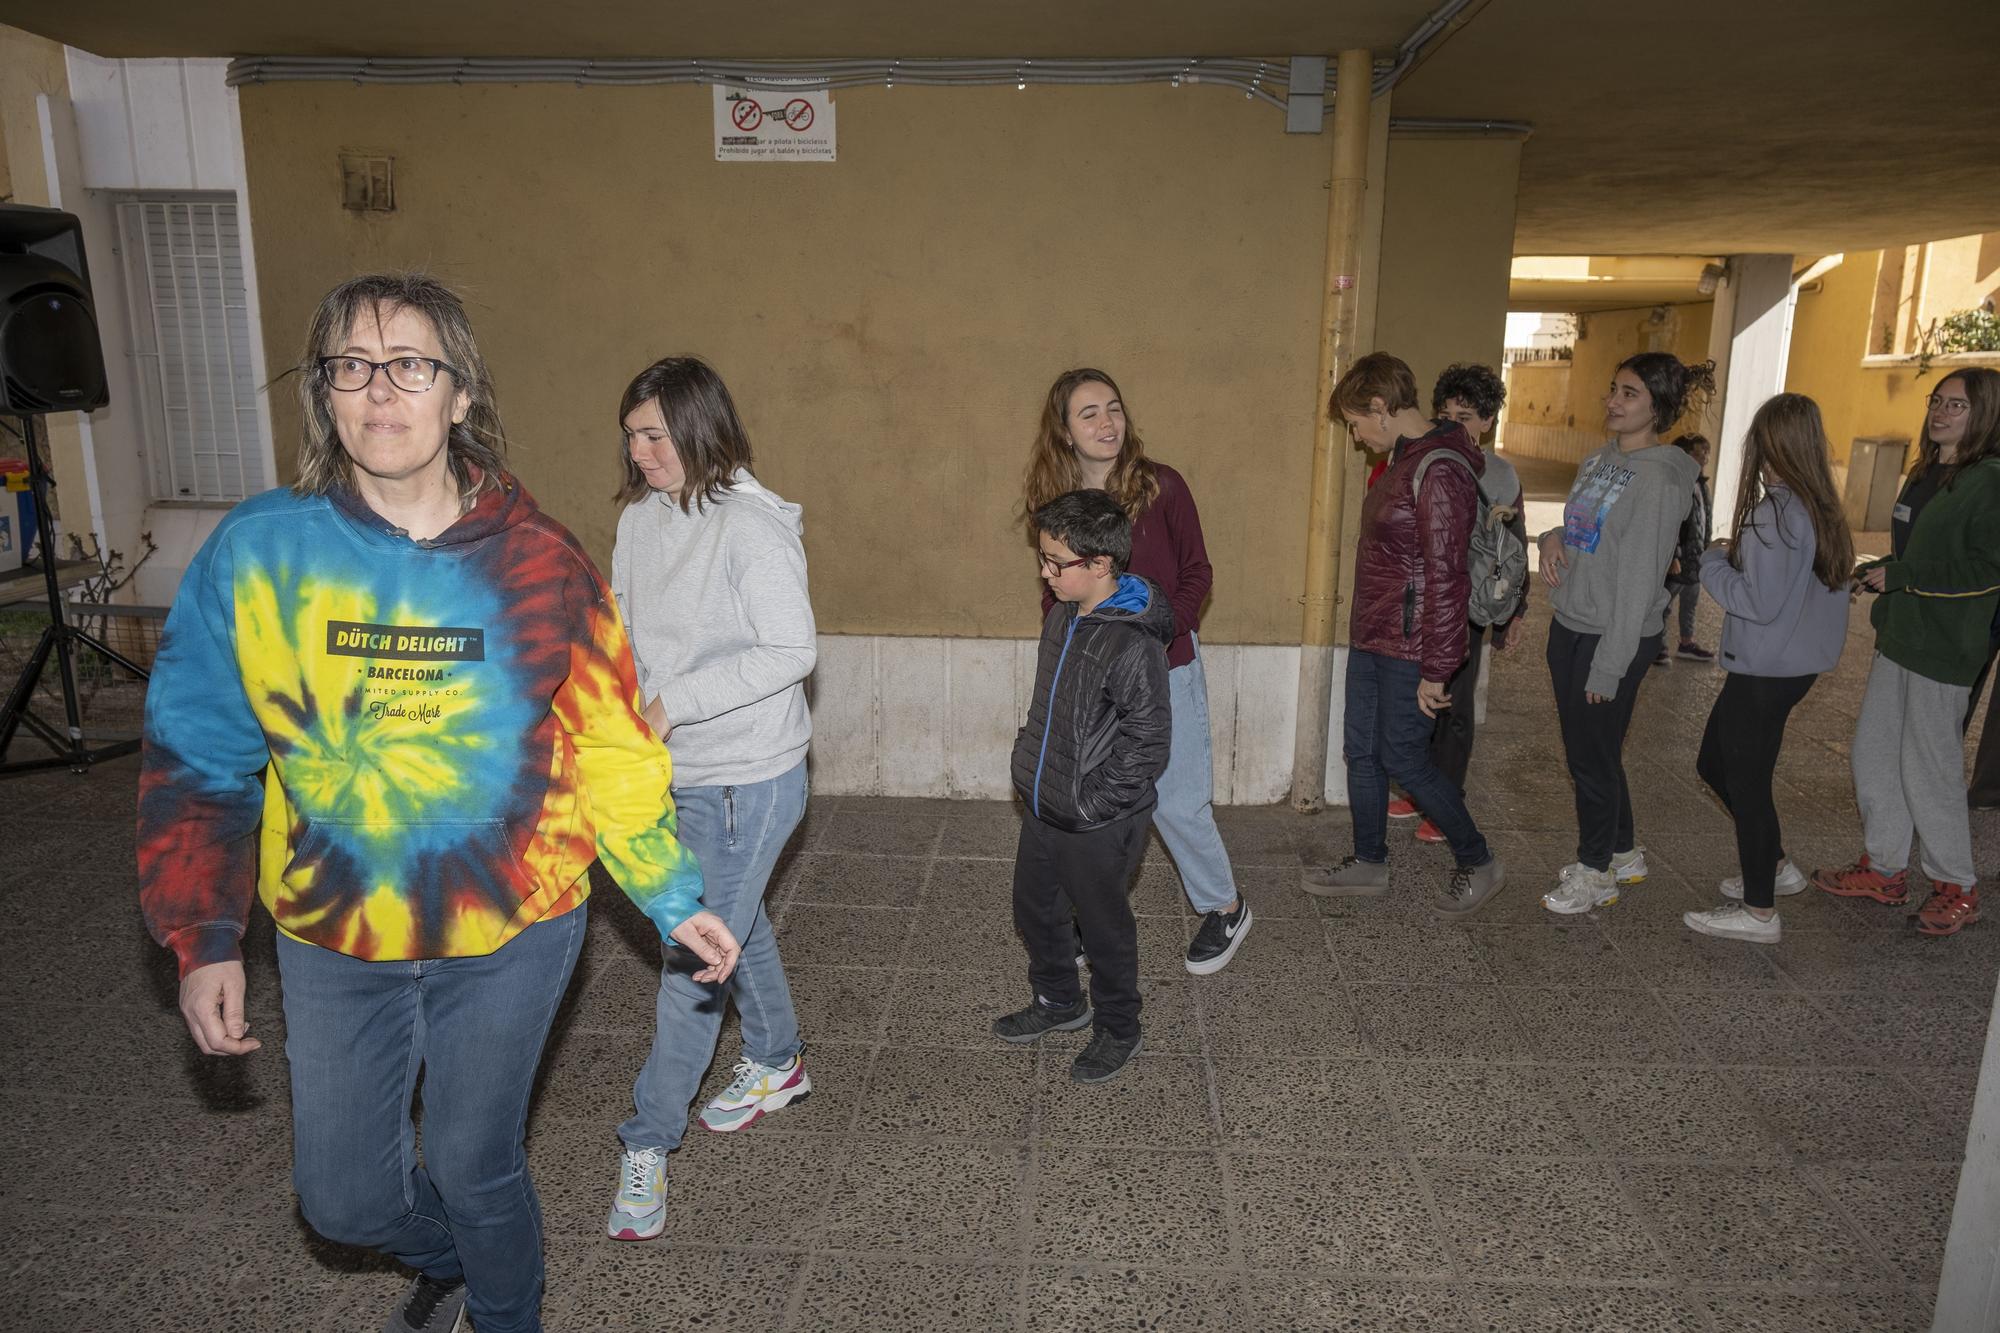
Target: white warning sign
{"points": [[773, 124]]}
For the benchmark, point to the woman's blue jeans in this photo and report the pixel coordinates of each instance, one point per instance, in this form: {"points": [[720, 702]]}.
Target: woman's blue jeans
{"points": [[357, 1035], [1185, 815], [736, 833], [1388, 736]]}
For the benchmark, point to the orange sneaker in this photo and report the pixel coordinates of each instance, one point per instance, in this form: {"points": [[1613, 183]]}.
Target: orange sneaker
{"points": [[1951, 909], [1862, 880], [1429, 832], [1402, 807]]}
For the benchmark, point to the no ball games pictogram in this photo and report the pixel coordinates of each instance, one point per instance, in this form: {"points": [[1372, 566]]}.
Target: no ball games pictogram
{"points": [[747, 113]]}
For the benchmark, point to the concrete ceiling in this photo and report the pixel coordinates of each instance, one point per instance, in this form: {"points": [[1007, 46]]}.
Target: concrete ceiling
{"points": [[753, 29], [1726, 126], [1704, 127]]}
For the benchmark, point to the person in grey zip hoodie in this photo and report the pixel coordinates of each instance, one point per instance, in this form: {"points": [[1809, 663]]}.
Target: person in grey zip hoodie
{"points": [[710, 574], [1782, 582], [1607, 566]]}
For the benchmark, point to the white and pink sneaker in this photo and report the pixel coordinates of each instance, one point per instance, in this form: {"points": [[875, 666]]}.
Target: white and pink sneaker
{"points": [[755, 1091]]}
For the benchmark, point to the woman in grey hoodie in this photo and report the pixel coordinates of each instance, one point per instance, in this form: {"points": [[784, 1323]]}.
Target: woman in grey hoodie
{"points": [[1781, 579], [710, 575], [1607, 565]]}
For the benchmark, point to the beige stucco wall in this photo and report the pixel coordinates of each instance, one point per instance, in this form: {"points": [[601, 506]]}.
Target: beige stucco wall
{"points": [[1555, 409], [888, 323], [1830, 335]]}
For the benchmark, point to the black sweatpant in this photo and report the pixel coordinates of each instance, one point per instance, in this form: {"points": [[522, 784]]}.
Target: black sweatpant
{"points": [[1739, 753], [1451, 740], [1062, 878], [1984, 790], [1594, 741]]}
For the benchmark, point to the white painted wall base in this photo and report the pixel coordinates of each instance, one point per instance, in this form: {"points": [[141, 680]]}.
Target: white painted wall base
{"points": [[937, 717]]}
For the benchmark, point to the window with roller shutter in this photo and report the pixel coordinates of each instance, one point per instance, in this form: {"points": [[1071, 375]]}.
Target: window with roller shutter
{"points": [[190, 342]]}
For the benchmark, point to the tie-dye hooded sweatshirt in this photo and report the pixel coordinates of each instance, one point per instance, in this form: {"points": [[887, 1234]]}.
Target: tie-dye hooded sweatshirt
{"points": [[413, 749]]}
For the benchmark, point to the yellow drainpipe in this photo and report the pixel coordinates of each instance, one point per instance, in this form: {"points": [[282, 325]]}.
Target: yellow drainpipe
{"points": [[1340, 312]]}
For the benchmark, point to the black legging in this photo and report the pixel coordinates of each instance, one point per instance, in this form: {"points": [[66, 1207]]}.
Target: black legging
{"points": [[1739, 753]]}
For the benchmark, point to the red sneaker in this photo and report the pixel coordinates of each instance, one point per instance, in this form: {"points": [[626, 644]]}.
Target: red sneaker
{"points": [[1950, 910], [1402, 807], [1429, 832], [1862, 880]]}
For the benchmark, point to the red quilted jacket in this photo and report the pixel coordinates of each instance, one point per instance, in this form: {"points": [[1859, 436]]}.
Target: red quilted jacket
{"points": [[1410, 584]]}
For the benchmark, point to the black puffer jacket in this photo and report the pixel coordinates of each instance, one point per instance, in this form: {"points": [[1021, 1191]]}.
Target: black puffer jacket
{"points": [[1098, 730]]}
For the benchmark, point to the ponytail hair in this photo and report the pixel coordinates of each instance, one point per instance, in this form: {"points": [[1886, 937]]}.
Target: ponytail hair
{"points": [[1673, 386], [1788, 438]]}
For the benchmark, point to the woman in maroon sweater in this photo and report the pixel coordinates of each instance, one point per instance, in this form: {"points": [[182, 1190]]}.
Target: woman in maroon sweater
{"points": [[1087, 441]]}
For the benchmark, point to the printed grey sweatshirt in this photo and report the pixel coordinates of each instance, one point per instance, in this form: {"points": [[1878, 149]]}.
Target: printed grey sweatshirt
{"points": [[1619, 531], [1780, 621], [722, 629]]}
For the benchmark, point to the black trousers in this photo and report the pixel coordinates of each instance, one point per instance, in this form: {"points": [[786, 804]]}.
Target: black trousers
{"points": [[1594, 741], [1451, 740], [1739, 753], [1062, 878]]}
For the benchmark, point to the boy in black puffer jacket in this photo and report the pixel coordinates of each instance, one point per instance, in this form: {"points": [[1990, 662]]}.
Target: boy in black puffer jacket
{"points": [[1085, 764]]}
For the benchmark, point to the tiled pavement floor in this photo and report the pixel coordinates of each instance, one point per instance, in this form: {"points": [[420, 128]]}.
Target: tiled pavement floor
{"points": [[1371, 1120]]}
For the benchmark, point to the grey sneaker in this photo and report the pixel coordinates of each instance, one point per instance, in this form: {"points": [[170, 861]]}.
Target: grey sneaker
{"points": [[1105, 1056], [1352, 878], [1038, 1020], [428, 1306], [1469, 888]]}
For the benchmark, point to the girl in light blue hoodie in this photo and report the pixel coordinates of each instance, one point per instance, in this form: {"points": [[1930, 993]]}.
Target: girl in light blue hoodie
{"points": [[1781, 578]]}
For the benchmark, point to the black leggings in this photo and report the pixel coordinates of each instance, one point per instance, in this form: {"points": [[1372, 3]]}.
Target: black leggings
{"points": [[1594, 741], [1739, 753]]}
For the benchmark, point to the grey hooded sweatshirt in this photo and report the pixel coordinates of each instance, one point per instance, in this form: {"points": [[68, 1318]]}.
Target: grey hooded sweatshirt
{"points": [[1619, 530], [1781, 620], [722, 629]]}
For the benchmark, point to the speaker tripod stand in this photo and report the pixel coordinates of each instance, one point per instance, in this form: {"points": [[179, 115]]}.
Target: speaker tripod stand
{"points": [[59, 639]]}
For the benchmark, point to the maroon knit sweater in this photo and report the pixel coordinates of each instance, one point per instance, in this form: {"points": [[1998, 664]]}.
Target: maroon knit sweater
{"points": [[1167, 548]]}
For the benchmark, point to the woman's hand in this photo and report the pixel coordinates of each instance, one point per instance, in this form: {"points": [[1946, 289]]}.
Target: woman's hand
{"points": [[1874, 579], [704, 935], [1590, 698], [1554, 559], [1432, 697], [656, 717]]}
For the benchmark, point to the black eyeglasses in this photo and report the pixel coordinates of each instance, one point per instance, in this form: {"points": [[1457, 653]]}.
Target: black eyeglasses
{"points": [[411, 374]]}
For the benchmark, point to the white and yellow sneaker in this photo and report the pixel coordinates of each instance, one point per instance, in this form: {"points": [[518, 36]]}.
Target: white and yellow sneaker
{"points": [[756, 1091]]}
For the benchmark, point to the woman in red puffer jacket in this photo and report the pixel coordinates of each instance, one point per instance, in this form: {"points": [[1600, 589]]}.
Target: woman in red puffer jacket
{"points": [[1407, 634]]}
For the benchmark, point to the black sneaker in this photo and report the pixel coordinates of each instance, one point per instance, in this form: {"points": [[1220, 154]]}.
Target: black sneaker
{"points": [[428, 1306], [1692, 651], [1104, 1057], [1215, 943], [1038, 1020]]}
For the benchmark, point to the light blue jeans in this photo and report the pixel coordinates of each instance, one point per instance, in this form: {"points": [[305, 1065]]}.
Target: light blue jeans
{"points": [[1186, 813], [736, 833], [357, 1033]]}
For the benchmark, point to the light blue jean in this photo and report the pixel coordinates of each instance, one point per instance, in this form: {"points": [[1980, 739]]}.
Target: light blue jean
{"points": [[1186, 813], [736, 833], [357, 1034]]}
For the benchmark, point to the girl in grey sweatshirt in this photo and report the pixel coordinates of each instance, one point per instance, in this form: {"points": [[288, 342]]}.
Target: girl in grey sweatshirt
{"points": [[1607, 567], [1781, 580], [710, 574]]}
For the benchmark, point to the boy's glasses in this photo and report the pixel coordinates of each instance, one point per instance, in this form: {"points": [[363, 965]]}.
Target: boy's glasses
{"points": [[1052, 566], [1951, 407]]}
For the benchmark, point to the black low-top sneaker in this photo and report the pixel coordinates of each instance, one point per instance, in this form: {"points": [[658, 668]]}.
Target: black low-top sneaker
{"points": [[1215, 943], [428, 1306], [1038, 1020], [1105, 1056]]}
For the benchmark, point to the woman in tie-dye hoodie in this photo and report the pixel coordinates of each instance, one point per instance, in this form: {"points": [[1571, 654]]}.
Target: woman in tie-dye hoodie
{"points": [[397, 703]]}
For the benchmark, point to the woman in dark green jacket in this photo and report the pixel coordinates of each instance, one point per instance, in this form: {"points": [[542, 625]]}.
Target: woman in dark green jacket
{"points": [[1933, 625]]}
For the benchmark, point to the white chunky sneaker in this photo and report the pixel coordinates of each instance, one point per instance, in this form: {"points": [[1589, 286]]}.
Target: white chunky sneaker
{"points": [[1732, 921], [755, 1092], [1581, 889], [1791, 880]]}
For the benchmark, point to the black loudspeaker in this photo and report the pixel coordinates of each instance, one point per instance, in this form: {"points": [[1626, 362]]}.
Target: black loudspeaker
{"points": [[50, 357]]}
